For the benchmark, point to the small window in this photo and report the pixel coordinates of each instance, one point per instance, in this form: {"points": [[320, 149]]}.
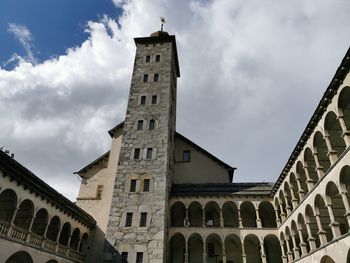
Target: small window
{"points": [[152, 124], [145, 78], [143, 100], [137, 153], [124, 257], [157, 58], [148, 59], [211, 251], [99, 191], [154, 99], [128, 220], [140, 124], [149, 153], [139, 257], [143, 219], [133, 185], [146, 184], [155, 77], [186, 157]]}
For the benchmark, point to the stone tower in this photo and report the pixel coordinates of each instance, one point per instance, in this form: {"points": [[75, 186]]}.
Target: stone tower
{"points": [[138, 222]]}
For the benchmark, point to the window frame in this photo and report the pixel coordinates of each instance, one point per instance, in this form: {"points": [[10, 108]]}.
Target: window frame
{"points": [[149, 153], [154, 100], [148, 59], [128, 219], [157, 59], [143, 219], [145, 78], [148, 184], [156, 77], [143, 100], [137, 153], [139, 257], [152, 124], [133, 185], [99, 191], [186, 153], [139, 125]]}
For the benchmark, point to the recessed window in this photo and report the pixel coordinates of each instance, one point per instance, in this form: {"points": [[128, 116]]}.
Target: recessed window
{"points": [[157, 58], [154, 99], [155, 77], [124, 257], [151, 124], [146, 184], [139, 257], [148, 59], [186, 156], [137, 153], [140, 124], [133, 185], [128, 220], [99, 191], [143, 100], [143, 219], [149, 153], [145, 78]]}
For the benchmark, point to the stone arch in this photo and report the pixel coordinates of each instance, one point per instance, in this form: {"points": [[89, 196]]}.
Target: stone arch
{"points": [[84, 243], [233, 248], [301, 225], [177, 248], [212, 214], [294, 187], [344, 106], [74, 241], [310, 165], [310, 220], [20, 257], [321, 149], [272, 249], [322, 211], [24, 214], [8, 201], [248, 214], [214, 248], [295, 235], [53, 228], [230, 214], [302, 177], [252, 249], [65, 233], [40, 222], [178, 214], [327, 259], [195, 248], [195, 214], [335, 132], [267, 214]]}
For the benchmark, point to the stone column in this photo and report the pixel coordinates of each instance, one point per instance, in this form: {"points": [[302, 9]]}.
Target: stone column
{"points": [[310, 239], [204, 252], [346, 133], [294, 198], [240, 225], [278, 220], [289, 251], [12, 221], [283, 215], [263, 253], [288, 208], [244, 256], [223, 253], [296, 251], [45, 232], [334, 224], [221, 218], [258, 220], [332, 154], [186, 221], [346, 205], [30, 228], [321, 232], [310, 183], [303, 250], [284, 257], [300, 191], [203, 218], [319, 168], [186, 251]]}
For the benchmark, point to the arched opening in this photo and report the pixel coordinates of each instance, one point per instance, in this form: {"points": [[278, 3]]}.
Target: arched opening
{"points": [[338, 208], [295, 235], [277, 207], [212, 214], [267, 214], [327, 259], [310, 164], [230, 214], [20, 257], [233, 249], [178, 246], [84, 243], [284, 245], [195, 249], [74, 241], [248, 214], [322, 211], [302, 226], [344, 106], [272, 249], [65, 233], [282, 202], [252, 249], [321, 149], [290, 244], [302, 177], [310, 220], [53, 228], [214, 248], [334, 131], [178, 214], [8, 203], [288, 194], [195, 214], [24, 214], [294, 187], [40, 222]]}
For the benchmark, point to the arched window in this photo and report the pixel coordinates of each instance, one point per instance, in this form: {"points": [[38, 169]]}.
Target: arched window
{"points": [[40, 222], [24, 214], [8, 201]]}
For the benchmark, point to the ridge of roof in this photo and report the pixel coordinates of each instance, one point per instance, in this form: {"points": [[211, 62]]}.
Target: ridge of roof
{"points": [[92, 163]]}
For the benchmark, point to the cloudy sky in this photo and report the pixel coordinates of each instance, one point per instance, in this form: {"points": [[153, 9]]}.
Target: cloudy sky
{"points": [[252, 73]]}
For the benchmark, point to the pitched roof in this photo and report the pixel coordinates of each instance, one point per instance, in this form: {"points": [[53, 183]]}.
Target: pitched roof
{"points": [[90, 165]]}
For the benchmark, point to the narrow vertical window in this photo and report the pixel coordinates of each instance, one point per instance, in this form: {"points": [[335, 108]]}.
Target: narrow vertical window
{"points": [[137, 153], [133, 185], [145, 78], [124, 257], [149, 153], [152, 124], [99, 191], [143, 100], [146, 184], [157, 58], [154, 99], [148, 59], [139, 257], [186, 156], [140, 124], [128, 220], [155, 77], [143, 219]]}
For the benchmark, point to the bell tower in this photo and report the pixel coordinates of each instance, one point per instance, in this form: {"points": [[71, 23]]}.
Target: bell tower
{"points": [[138, 219]]}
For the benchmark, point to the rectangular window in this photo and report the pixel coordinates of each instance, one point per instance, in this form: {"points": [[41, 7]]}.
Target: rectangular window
{"points": [[99, 191], [140, 124], [154, 99], [186, 156], [155, 77], [145, 78], [148, 59], [143, 219], [128, 220], [137, 153], [133, 185], [152, 124], [146, 184], [149, 153], [143, 100], [211, 251], [139, 257], [124, 257], [157, 58]]}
